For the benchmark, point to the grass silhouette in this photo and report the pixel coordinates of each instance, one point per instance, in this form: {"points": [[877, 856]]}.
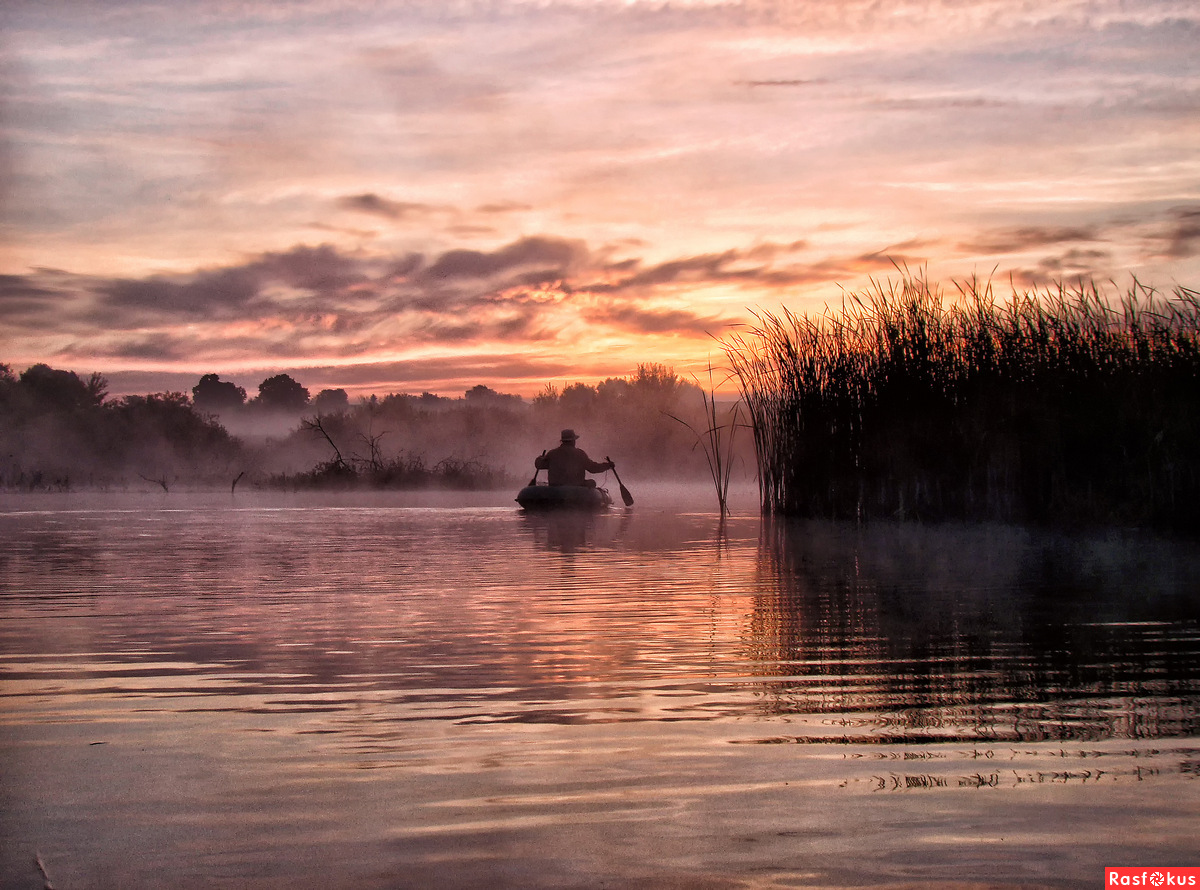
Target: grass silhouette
{"points": [[1059, 405]]}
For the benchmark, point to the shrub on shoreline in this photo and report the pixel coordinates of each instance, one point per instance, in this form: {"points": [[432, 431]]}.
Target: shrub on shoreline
{"points": [[405, 472]]}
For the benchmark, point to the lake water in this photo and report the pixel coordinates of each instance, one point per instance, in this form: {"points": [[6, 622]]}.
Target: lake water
{"points": [[280, 691]]}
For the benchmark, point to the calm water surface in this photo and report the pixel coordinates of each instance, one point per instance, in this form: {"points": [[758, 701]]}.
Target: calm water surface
{"points": [[387, 691]]}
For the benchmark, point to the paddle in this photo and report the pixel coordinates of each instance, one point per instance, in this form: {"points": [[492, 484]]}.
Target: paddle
{"points": [[625, 495], [533, 481]]}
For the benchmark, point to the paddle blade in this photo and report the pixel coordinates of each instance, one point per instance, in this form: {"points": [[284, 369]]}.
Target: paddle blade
{"points": [[625, 495]]}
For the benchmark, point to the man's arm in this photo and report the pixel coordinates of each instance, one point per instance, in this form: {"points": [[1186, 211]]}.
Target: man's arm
{"points": [[597, 466]]}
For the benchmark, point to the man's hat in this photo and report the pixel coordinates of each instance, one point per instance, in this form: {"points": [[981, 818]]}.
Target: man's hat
{"points": [[569, 436]]}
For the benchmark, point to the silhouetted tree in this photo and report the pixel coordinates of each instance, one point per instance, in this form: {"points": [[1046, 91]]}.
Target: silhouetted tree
{"points": [[656, 384], [547, 399], [162, 435], [394, 405], [485, 396], [57, 431], [480, 393], [328, 401], [51, 389], [215, 395], [8, 386], [578, 399], [282, 393]]}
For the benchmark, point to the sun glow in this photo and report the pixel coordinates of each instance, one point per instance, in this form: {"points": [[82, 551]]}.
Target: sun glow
{"points": [[566, 185]]}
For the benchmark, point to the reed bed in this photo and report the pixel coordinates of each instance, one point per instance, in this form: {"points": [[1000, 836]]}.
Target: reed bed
{"points": [[1059, 405]]}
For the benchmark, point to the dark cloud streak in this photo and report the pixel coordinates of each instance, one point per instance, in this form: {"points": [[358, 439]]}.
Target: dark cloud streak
{"points": [[319, 301], [379, 206], [1024, 238], [232, 292], [1183, 234], [649, 321], [549, 258]]}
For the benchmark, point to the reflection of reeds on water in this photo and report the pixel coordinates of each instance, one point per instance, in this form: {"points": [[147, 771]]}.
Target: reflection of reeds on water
{"points": [[1052, 406], [899, 632]]}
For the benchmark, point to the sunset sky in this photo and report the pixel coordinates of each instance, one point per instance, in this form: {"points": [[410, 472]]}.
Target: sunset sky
{"points": [[410, 196]]}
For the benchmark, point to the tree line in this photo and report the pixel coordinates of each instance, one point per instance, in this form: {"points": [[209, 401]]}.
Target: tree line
{"points": [[280, 393], [61, 431]]}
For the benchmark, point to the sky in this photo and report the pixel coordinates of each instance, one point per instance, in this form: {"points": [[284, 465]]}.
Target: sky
{"points": [[426, 196]]}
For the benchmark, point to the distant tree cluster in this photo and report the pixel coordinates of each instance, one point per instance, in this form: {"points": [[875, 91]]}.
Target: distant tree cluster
{"points": [[214, 395], [635, 415], [390, 438], [59, 431], [280, 393]]}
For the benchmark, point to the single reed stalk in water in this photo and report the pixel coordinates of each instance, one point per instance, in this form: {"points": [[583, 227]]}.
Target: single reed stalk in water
{"points": [[716, 441], [47, 884], [1058, 405]]}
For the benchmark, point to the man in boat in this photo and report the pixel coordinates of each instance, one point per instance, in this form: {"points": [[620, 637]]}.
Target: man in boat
{"points": [[567, 465]]}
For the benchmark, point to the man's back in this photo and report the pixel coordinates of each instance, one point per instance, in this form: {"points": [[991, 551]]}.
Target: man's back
{"points": [[567, 465]]}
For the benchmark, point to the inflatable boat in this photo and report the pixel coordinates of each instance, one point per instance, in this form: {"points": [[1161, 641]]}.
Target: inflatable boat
{"points": [[563, 497]]}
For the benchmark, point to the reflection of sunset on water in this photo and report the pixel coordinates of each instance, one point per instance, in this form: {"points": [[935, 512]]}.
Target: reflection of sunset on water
{"points": [[464, 694]]}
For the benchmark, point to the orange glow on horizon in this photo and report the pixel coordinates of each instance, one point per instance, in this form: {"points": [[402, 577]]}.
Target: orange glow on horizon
{"points": [[324, 199]]}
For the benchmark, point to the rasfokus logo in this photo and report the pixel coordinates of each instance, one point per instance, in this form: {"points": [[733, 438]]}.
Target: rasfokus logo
{"points": [[1143, 876]]}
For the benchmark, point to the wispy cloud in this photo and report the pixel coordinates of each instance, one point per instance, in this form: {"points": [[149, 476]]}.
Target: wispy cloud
{"points": [[1182, 233], [512, 175], [371, 203], [631, 318], [322, 301], [527, 261], [1016, 240]]}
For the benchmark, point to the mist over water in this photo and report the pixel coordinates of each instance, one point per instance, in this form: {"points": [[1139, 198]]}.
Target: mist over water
{"points": [[415, 689]]}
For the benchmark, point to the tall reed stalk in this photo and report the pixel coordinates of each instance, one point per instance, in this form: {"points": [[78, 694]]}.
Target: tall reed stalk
{"points": [[1054, 405], [716, 441]]}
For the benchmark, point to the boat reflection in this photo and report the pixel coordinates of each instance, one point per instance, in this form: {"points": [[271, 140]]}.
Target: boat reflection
{"points": [[563, 530], [570, 531]]}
